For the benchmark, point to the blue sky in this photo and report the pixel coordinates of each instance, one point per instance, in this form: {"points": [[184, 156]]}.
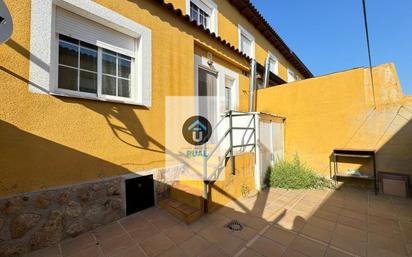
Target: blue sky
{"points": [[329, 36]]}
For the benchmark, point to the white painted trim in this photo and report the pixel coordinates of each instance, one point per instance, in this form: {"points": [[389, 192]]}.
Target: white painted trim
{"points": [[242, 30], [213, 12], [223, 72], [273, 57], [234, 94], [43, 46], [290, 77]]}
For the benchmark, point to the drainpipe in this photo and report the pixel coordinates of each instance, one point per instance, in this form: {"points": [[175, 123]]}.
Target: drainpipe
{"points": [[252, 85], [266, 79]]}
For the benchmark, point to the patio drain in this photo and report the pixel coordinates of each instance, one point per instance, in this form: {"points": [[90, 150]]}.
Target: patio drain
{"points": [[234, 225]]}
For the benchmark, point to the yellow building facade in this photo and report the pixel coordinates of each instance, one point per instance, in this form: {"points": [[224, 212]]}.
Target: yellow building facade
{"points": [[63, 146], [111, 138], [83, 108]]}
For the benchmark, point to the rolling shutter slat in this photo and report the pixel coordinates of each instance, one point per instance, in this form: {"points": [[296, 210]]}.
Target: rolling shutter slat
{"points": [[73, 25]]}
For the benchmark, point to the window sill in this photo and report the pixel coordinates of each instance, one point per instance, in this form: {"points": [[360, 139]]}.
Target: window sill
{"points": [[95, 98]]}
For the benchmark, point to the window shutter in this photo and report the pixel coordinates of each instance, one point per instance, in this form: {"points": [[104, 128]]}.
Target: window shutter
{"points": [[73, 25], [203, 6], [79, 27]]}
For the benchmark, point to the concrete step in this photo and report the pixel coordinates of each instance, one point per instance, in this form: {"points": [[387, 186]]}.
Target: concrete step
{"points": [[192, 196], [180, 210]]}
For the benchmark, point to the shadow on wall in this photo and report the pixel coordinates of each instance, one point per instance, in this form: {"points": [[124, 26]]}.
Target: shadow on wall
{"points": [[338, 111], [396, 152], [121, 112], [129, 124], [64, 163], [393, 147], [34, 151], [132, 126], [123, 121], [124, 113]]}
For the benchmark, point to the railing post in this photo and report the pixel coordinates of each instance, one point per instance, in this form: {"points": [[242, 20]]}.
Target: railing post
{"points": [[232, 160], [254, 131], [205, 182]]}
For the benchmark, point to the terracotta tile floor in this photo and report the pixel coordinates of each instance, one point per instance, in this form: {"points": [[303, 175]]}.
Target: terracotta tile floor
{"points": [[311, 223]]}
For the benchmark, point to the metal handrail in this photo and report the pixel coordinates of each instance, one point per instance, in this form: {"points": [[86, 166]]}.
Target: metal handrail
{"points": [[230, 115], [229, 131], [243, 145], [218, 144], [250, 122], [245, 128]]}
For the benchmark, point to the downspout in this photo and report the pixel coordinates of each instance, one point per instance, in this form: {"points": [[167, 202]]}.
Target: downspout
{"points": [[266, 79], [252, 85]]}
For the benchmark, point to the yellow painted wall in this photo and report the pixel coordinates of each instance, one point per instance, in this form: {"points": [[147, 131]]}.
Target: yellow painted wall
{"points": [[228, 20], [229, 187], [243, 80], [337, 111], [49, 141], [233, 186]]}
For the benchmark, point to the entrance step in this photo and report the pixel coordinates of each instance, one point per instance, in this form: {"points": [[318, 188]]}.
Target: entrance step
{"points": [[189, 195], [180, 210], [185, 202]]}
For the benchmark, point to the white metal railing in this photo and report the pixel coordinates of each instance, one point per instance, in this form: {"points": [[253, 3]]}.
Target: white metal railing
{"points": [[241, 132]]}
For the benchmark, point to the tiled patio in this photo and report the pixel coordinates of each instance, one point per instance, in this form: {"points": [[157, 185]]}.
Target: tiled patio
{"points": [[295, 223]]}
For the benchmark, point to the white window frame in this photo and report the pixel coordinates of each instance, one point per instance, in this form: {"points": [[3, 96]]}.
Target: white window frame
{"points": [[222, 73], [244, 32], [234, 100], [44, 49], [291, 78], [209, 7], [274, 58], [99, 95]]}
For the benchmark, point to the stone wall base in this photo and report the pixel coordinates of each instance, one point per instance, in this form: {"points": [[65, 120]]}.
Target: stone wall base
{"points": [[35, 220]]}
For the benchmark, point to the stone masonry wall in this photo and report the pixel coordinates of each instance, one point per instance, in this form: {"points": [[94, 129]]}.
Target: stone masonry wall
{"points": [[40, 219], [36, 220]]}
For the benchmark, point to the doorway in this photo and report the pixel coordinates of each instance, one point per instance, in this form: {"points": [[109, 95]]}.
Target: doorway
{"points": [[271, 144], [139, 194], [207, 88]]}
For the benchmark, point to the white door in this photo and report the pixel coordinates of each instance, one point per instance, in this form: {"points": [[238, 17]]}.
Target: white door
{"points": [[271, 144], [265, 145], [278, 142]]}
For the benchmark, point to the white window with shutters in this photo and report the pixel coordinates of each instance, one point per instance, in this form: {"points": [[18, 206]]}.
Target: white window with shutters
{"points": [[230, 94], [291, 76], [246, 42], [273, 64], [95, 53], [204, 12]]}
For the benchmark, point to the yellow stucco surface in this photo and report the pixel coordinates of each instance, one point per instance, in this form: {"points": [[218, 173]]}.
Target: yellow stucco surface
{"points": [[49, 141], [228, 20], [338, 111], [229, 187], [234, 186]]}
